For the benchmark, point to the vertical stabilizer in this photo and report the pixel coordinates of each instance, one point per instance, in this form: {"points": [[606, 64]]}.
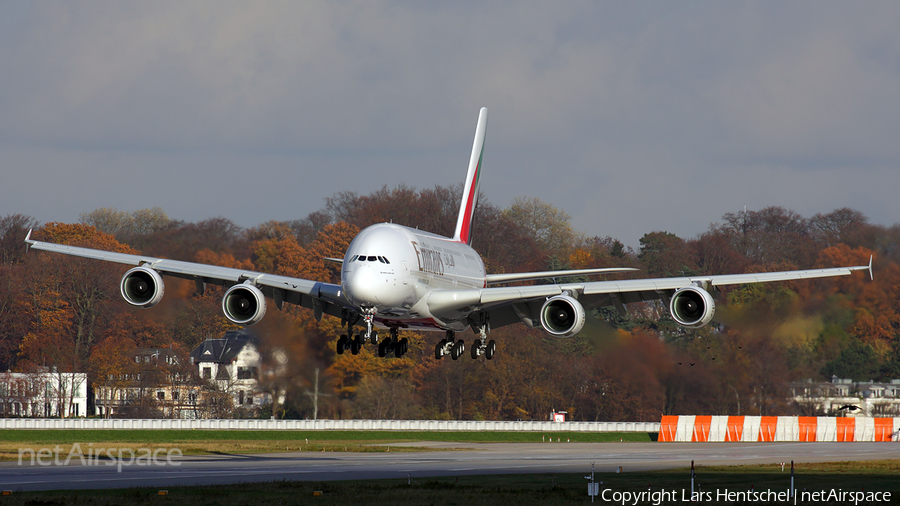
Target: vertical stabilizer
{"points": [[470, 191]]}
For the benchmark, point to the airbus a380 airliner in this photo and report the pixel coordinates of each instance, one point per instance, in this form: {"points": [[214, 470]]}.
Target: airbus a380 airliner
{"points": [[395, 277]]}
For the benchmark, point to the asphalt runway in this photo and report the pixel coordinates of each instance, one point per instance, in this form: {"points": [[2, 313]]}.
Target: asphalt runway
{"points": [[441, 459]]}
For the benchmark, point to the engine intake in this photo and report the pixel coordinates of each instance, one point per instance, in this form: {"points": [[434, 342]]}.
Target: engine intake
{"points": [[142, 287], [244, 304], [562, 316], [692, 307]]}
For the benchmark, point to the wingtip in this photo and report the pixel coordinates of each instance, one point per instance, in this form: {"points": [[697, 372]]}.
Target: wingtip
{"points": [[871, 275]]}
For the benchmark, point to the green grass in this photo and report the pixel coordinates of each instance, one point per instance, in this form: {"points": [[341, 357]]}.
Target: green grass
{"points": [[150, 436], [517, 490], [199, 442]]}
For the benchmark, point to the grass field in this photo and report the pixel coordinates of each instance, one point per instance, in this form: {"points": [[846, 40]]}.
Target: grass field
{"points": [[198, 442], [498, 490]]}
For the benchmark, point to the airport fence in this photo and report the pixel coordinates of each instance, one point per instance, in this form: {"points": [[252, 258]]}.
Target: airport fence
{"points": [[386, 425]]}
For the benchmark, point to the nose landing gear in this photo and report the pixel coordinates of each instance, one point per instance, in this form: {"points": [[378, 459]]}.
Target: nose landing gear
{"points": [[392, 345]]}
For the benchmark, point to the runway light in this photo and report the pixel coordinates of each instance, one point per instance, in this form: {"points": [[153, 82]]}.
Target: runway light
{"points": [[163, 492], [7, 492], [317, 493]]}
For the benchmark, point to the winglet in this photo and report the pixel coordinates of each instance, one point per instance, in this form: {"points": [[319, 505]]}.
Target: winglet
{"points": [[871, 276], [28, 241]]}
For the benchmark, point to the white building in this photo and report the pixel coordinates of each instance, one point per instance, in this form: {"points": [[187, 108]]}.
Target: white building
{"points": [[156, 375], [849, 398], [43, 394], [232, 365]]}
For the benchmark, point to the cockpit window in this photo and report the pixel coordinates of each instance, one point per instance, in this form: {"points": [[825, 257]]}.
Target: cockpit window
{"points": [[353, 258], [383, 260], [373, 259]]}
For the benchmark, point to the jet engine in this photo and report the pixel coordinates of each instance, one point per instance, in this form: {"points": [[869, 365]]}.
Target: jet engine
{"points": [[692, 307], [142, 287], [244, 304], [562, 316]]}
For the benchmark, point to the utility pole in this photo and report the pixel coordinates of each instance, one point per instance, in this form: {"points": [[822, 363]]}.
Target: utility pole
{"points": [[315, 395]]}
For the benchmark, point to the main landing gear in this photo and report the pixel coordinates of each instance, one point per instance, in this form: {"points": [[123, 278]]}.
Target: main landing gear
{"points": [[392, 345], [456, 347]]}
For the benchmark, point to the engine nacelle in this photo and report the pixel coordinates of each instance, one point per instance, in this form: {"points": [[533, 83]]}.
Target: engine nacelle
{"points": [[142, 287], [692, 307], [562, 316], [244, 304]]}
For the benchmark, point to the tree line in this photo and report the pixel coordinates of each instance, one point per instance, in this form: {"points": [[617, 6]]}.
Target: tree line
{"points": [[65, 313]]}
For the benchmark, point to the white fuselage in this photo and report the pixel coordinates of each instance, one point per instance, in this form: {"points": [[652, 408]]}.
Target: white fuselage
{"points": [[393, 269]]}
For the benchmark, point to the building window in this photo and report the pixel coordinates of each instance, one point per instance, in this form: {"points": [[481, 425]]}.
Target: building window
{"points": [[161, 396], [207, 373], [175, 395], [246, 373]]}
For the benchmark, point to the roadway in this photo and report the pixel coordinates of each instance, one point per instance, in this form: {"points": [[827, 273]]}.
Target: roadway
{"points": [[439, 459]]}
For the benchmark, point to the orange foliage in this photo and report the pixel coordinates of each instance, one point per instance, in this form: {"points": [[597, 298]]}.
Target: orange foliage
{"points": [[49, 343], [331, 242], [222, 259], [279, 256], [111, 359], [580, 259], [78, 234]]}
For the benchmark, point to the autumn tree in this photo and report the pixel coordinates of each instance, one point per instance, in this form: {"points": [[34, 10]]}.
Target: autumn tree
{"points": [[666, 255], [182, 241], [771, 235], [548, 226], [13, 229], [112, 366], [86, 285], [842, 226], [126, 226]]}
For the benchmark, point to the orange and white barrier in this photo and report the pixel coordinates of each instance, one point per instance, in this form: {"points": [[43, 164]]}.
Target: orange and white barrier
{"points": [[777, 428]]}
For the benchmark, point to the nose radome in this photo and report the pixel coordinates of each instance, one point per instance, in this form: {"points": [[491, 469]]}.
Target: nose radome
{"points": [[362, 286]]}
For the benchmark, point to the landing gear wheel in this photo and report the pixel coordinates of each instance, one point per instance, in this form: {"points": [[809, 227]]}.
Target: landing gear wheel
{"points": [[341, 344], [356, 344], [439, 349], [458, 349], [475, 350], [382, 348], [401, 347], [374, 337], [490, 350]]}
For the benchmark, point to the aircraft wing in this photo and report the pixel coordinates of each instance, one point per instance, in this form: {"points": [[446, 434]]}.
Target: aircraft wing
{"points": [[493, 279], [515, 304], [323, 297]]}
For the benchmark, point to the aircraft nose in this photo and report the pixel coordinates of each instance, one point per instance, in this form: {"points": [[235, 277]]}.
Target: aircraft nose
{"points": [[361, 286]]}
